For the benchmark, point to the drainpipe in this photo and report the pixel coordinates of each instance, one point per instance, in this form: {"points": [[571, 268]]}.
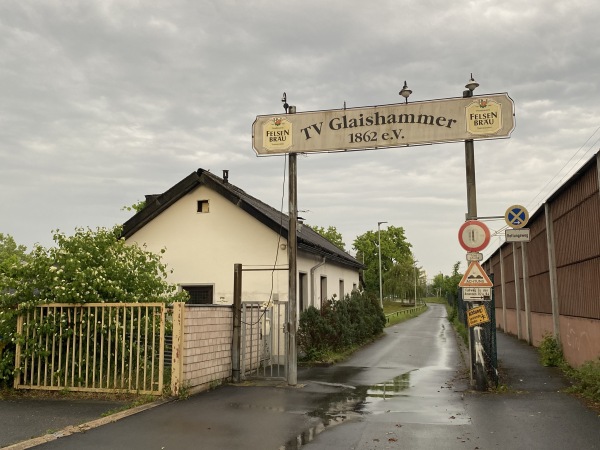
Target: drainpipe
{"points": [[312, 281]]}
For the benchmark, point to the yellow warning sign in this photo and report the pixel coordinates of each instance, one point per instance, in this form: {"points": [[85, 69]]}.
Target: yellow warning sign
{"points": [[476, 316], [475, 276]]}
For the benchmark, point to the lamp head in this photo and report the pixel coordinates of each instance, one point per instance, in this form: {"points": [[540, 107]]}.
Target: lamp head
{"points": [[472, 84], [405, 92], [285, 103]]}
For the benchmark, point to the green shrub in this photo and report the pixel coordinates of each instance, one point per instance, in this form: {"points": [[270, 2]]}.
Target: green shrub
{"points": [[339, 325], [587, 380], [551, 354], [91, 266]]}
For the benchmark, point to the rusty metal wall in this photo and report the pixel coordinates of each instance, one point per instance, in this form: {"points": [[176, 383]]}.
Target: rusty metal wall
{"points": [[576, 218], [575, 213], [585, 186]]}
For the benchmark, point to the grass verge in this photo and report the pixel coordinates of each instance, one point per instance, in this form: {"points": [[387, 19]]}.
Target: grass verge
{"points": [[395, 312], [585, 379]]}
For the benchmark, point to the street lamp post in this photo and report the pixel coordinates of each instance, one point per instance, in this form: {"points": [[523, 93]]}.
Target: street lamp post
{"points": [[474, 337], [416, 271], [470, 161], [380, 283]]}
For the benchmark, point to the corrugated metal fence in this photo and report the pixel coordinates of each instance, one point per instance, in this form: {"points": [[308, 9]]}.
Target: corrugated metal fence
{"points": [[551, 285]]}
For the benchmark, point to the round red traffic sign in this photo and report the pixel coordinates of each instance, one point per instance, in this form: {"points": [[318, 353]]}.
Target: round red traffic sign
{"points": [[474, 235]]}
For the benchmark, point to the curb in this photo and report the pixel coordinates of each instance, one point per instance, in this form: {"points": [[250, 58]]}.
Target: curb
{"points": [[73, 429]]}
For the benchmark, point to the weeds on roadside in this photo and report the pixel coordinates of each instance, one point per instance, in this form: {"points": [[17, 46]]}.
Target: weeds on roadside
{"points": [[462, 331], [587, 380], [551, 354]]}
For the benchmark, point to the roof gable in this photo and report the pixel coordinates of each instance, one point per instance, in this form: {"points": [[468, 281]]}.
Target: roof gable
{"points": [[308, 239]]}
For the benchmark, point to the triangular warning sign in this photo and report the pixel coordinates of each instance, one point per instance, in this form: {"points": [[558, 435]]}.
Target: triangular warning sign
{"points": [[475, 276]]}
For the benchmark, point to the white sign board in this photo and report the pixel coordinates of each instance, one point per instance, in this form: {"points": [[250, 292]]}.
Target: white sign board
{"points": [[519, 235], [477, 293], [474, 256], [403, 124]]}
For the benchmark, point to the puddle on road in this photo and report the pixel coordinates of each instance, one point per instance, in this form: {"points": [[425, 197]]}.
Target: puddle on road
{"points": [[349, 404], [391, 388], [353, 403]]}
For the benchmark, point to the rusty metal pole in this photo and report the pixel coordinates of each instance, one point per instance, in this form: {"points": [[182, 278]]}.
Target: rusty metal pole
{"points": [[471, 215], [237, 323], [292, 260]]}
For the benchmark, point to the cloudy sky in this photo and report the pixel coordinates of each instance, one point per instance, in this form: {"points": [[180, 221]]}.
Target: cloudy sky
{"points": [[102, 102]]}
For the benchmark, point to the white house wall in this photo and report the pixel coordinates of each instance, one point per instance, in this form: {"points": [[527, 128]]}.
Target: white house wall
{"points": [[202, 248], [334, 274]]}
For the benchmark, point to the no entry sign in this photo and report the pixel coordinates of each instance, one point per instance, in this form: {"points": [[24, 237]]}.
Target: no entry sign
{"points": [[474, 236]]}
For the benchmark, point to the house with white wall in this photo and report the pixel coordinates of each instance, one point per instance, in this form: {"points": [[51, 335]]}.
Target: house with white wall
{"points": [[206, 225]]}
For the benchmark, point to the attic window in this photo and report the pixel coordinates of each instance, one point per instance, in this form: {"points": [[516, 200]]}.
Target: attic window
{"points": [[202, 206]]}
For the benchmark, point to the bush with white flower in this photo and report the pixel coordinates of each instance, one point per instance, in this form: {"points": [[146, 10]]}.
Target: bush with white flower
{"points": [[91, 266]]}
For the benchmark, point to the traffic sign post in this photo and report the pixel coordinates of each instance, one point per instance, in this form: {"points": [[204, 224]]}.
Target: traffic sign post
{"points": [[518, 235], [475, 276], [477, 316], [474, 256], [481, 294], [474, 236], [516, 216]]}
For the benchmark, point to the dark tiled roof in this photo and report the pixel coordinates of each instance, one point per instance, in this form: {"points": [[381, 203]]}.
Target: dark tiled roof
{"points": [[308, 240]]}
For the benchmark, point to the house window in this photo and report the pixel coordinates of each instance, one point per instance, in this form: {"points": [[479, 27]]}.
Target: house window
{"points": [[323, 289], [303, 290], [202, 206], [342, 293], [199, 294]]}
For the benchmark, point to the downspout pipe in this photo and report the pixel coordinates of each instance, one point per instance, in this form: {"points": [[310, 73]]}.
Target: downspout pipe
{"points": [[312, 280]]}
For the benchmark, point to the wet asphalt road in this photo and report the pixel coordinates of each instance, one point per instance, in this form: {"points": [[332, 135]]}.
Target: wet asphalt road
{"points": [[435, 409], [408, 390], [415, 382]]}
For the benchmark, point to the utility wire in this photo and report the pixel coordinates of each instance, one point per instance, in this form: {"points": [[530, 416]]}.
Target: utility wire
{"points": [[274, 266], [541, 192]]}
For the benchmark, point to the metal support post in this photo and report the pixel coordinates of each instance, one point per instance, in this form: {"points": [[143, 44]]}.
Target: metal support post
{"points": [[552, 271], [292, 257], [517, 289], [237, 323], [474, 338], [525, 267]]}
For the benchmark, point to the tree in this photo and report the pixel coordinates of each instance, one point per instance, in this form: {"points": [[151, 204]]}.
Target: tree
{"points": [[451, 282], [92, 266], [12, 256], [331, 234], [395, 251], [137, 207], [399, 281], [447, 285], [438, 285]]}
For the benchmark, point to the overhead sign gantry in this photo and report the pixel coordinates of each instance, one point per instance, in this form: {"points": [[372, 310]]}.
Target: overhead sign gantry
{"points": [[397, 125]]}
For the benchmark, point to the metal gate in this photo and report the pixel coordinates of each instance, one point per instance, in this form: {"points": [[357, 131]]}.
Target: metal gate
{"points": [[95, 347], [264, 341]]}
